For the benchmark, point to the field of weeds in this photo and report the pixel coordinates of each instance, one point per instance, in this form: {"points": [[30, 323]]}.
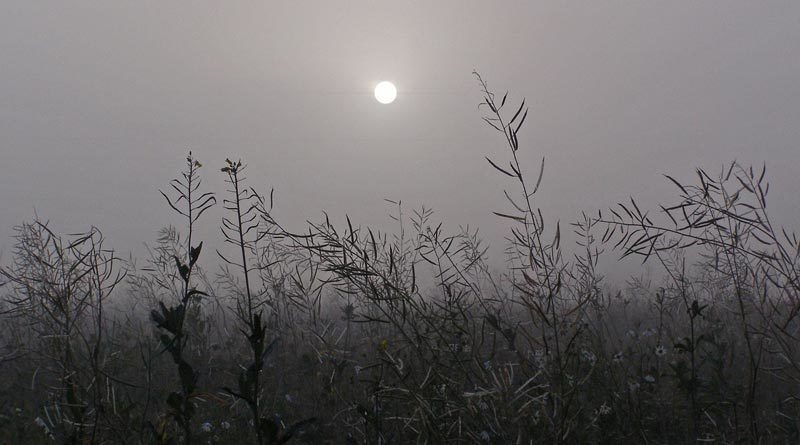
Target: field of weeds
{"points": [[346, 335]]}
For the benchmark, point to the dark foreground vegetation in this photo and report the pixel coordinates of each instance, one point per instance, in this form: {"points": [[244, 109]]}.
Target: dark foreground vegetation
{"points": [[346, 335]]}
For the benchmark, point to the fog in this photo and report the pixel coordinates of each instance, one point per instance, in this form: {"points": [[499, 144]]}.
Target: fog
{"points": [[101, 101]]}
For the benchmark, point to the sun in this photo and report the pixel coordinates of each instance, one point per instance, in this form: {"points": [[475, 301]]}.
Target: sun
{"points": [[385, 92]]}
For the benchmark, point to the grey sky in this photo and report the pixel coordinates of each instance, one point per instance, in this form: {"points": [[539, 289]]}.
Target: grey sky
{"points": [[100, 101]]}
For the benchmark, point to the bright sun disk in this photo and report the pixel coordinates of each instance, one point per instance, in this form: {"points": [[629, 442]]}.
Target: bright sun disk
{"points": [[385, 92]]}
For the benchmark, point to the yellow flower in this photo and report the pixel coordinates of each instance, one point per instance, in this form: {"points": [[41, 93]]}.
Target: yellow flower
{"points": [[383, 345]]}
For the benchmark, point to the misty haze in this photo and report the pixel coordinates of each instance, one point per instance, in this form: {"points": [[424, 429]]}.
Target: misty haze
{"points": [[373, 222]]}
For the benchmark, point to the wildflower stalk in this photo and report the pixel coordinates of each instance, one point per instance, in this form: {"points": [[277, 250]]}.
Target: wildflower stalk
{"points": [[191, 204], [242, 231], [540, 266]]}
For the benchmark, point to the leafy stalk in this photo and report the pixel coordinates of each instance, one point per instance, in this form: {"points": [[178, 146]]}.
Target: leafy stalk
{"points": [[189, 202]]}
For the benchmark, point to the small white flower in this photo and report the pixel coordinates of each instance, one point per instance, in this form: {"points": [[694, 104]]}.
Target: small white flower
{"points": [[40, 422], [225, 425], [618, 357], [206, 427], [649, 378], [289, 398], [539, 358], [661, 351]]}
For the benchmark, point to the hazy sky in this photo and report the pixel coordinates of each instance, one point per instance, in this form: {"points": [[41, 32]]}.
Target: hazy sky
{"points": [[100, 101]]}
